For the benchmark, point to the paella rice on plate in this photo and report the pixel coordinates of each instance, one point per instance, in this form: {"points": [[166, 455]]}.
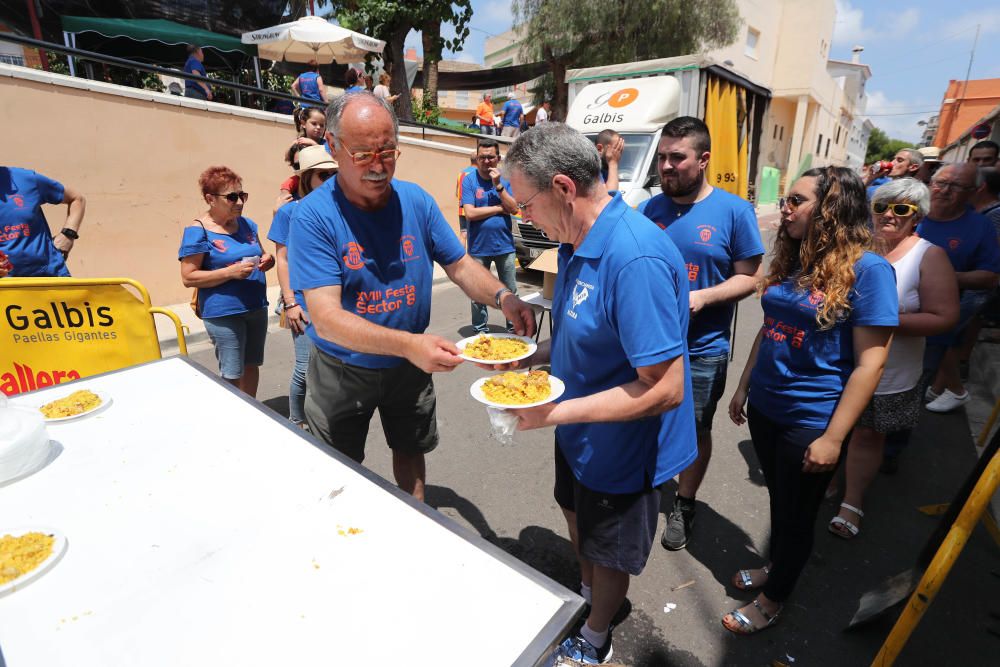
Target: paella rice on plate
{"points": [[518, 388], [76, 403], [489, 348]]}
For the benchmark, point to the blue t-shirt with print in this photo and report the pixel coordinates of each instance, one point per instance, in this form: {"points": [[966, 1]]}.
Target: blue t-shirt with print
{"points": [[621, 303], [309, 86], [221, 250], [383, 260], [24, 233], [802, 371], [489, 236], [512, 112], [711, 234], [970, 241], [194, 66]]}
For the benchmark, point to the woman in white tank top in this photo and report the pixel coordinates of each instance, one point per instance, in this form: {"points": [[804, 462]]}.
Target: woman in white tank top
{"points": [[928, 305]]}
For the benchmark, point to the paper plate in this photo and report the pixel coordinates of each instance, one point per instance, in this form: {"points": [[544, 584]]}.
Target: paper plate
{"points": [[532, 348], [105, 403], [477, 393], [58, 549]]}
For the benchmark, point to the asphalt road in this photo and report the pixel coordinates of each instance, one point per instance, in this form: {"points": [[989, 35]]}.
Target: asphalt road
{"points": [[504, 493]]}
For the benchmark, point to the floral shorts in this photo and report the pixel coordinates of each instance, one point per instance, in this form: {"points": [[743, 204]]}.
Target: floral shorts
{"points": [[887, 413]]}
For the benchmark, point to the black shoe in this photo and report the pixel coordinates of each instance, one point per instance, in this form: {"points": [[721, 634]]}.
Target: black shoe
{"points": [[680, 522]]}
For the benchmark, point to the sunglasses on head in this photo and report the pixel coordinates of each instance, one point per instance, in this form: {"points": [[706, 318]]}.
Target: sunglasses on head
{"points": [[898, 210], [233, 197]]}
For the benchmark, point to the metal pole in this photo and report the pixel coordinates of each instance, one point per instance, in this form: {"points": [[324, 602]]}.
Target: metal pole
{"points": [[36, 30], [968, 71], [256, 70], [68, 41]]}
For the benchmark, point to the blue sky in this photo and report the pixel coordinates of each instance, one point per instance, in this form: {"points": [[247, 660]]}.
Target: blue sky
{"points": [[913, 48]]}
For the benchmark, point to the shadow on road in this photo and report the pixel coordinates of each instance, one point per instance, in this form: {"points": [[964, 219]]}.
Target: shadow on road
{"points": [[754, 473]]}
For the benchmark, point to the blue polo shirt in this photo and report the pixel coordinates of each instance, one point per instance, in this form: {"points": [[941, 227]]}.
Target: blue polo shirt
{"points": [[970, 241], [802, 371], [194, 66], [512, 112], [221, 250], [309, 86], [875, 185], [711, 234], [493, 235], [24, 233], [383, 260], [621, 303]]}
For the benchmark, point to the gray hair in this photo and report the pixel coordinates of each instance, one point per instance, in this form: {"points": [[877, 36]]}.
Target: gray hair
{"points": [[335, 112], [962, 167], [905, 191], [913, 155], [554, 148]]}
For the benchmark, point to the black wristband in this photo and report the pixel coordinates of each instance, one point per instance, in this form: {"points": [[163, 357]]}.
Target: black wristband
{"points": [[69, 233]]}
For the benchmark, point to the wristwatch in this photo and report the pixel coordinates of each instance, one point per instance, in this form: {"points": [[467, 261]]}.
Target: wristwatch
{"points": [[499, 188], [70, 233], [500, 293]]}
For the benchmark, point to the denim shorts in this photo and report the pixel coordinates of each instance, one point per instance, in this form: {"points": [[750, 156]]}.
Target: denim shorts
{"points": [[614, 530], [708, 383], [239, 340]]}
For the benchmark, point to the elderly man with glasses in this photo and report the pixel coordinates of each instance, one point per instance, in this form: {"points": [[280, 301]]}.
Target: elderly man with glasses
{"points": [[971, 243], [361, 249], [488, 204]]}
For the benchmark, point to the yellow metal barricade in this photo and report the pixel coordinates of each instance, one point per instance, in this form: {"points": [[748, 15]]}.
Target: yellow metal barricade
{"points": [[55, 330]]}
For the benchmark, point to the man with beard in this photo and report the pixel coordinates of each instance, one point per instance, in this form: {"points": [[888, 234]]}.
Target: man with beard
{"points": [[718, 237]]}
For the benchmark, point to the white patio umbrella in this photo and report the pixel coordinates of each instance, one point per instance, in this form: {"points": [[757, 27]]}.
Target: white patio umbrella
{"points": [[312, 38]]}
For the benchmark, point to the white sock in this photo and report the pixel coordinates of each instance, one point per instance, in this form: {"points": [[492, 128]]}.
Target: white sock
{"points": [[586, 593], [596, 639]]}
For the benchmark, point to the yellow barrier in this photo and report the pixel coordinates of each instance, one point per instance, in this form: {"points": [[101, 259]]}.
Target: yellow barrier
{"points": [[942, 563], [61, 329]]}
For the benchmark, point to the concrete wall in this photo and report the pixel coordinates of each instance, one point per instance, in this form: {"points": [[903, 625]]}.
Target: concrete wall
{"points": [[136, 156]]}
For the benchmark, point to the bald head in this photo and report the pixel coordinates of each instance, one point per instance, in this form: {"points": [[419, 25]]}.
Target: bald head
{"points": [[361, 103], [952, 188]]}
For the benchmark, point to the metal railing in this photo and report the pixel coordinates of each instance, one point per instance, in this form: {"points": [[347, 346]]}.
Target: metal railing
{"points": [[167, 71]]}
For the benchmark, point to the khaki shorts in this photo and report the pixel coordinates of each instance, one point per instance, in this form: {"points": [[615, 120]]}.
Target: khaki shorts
{"points": [[340, 401]]}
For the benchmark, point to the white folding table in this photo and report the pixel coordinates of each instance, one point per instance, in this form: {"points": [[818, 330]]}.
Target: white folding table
{"points": [[203, 529]]}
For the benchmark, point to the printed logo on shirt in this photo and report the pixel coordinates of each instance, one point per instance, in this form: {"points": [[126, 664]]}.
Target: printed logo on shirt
{"points": [[954, 243], [581, 292], [18, 201], [705, 233], [219, 245], [354, 256], [480, 193], [389, 300], [409, 246], [12, 232], [780, 332], [693, 270], [812, 301]]}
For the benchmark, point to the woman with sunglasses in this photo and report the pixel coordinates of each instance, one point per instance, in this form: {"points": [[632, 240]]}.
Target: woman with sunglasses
{"points": [[316, 166], [222, 256], [830, 307], [928, 305]]}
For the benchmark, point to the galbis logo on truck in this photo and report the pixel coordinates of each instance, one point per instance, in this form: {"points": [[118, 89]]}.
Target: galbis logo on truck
{"points": [[618, 99]]}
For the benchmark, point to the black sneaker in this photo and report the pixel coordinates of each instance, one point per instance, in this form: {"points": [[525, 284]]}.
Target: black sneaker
{"points": [[680, 522], [578, 649]]}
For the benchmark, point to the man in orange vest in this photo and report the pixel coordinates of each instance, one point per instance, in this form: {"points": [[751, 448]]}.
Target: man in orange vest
{"points": [[484, 112]]}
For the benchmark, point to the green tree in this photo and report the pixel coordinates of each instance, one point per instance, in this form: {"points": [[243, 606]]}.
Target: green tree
{"points": [[582, 33], [881, 147], [392, 20], [436, 13]]}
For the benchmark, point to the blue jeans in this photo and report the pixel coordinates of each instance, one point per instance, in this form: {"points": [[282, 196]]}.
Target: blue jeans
{"points": [[239, 340], [487, 129], [297, 385], [708, 383], [507, 273]]}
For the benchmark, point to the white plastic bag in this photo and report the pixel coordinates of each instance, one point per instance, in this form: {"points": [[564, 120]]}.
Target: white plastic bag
{"points": [[503, 423]]}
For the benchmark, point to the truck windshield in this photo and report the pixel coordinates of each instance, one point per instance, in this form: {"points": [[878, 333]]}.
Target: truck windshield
{"points": [[630, 166]]}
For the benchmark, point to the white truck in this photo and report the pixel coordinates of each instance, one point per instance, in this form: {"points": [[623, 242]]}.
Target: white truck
{"points": [[637, 100]]}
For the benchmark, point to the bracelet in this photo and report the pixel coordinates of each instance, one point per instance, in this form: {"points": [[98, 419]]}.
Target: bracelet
{"points": [[291, 305], [499, 295], [71, 234]]}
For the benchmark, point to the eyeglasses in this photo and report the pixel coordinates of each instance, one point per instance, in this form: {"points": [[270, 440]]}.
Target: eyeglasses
{"points": [[524, 204], [362, 158], [951, 185], [898, 210], [792, 201], [232, 197]]}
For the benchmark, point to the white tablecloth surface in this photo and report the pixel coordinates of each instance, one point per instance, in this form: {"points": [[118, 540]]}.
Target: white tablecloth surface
{"points": [[201, 532]]}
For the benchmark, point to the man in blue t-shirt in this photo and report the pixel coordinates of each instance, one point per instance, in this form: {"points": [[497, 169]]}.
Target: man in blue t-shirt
{"points": [[717, 235], [361, 249], [512, 112], [488, 205], [310, 85], [970, 240], [25, 237], [196, 89], [625, 423]]}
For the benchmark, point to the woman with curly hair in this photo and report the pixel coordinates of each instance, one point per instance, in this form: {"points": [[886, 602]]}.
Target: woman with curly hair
{"points": [[830, 308]]}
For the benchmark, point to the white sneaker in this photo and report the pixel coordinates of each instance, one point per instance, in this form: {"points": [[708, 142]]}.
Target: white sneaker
{"points": [[930, 394], [947, 402]]}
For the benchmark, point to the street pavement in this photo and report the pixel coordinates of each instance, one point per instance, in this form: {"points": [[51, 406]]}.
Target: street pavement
{"points": [[504, 494]]}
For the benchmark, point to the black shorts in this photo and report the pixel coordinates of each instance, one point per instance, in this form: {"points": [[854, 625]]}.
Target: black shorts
{"points": [[341, 399], [615, 530]]}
